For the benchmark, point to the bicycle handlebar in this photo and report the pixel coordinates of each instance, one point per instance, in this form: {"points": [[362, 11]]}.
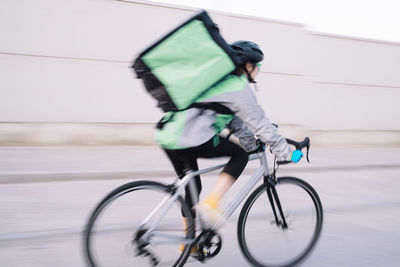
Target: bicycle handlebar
{"points": [[299, 146]]}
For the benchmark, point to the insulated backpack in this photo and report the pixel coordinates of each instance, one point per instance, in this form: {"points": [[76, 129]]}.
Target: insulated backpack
{"points": [[185, 63]]}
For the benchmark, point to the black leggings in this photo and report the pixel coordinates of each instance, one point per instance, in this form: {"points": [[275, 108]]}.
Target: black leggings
{"points": [[186, 159]]}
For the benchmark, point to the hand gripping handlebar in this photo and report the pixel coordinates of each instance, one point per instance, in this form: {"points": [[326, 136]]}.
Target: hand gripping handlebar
{"points": [[299, 146]]}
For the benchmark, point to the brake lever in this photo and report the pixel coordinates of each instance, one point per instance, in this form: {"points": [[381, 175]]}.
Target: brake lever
{"points": [[299, 146]]}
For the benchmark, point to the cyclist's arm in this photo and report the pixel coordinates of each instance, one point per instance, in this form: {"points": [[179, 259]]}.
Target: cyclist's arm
{"points": [[241, 131], [247, 109]]}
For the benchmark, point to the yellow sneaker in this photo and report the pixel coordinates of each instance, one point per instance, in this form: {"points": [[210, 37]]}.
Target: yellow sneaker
{"points": [[209, 211], [193, 250]]}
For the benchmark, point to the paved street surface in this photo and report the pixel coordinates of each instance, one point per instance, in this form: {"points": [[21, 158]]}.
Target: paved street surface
{"points": [[46, 195]]}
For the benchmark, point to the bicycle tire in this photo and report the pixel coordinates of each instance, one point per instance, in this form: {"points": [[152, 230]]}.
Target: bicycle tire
{"points": [[128, 189], [260, 193]]}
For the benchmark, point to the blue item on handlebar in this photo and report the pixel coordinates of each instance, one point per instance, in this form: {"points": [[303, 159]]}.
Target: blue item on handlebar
{"points": [[296, 156]]}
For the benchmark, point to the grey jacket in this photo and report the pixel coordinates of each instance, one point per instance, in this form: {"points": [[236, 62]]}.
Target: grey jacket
{"points": [[252, 121], [196, 126]]}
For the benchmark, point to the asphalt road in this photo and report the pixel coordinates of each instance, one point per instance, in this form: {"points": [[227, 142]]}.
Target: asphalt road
{"points": [[46, 196]]}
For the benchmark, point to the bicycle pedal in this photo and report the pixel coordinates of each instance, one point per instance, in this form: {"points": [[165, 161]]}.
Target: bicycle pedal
{"points": [[198, 257]]}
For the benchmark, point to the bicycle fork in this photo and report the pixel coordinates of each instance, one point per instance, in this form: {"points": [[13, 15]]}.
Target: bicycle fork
{"points": [[275, 202]]}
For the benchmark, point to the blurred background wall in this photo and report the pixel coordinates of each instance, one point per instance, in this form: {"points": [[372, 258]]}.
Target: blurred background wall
{"points": [[65, 76]]}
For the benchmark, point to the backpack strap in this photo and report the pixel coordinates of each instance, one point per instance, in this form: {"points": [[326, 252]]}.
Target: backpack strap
{"points": [[217, 107], [166, 118]]}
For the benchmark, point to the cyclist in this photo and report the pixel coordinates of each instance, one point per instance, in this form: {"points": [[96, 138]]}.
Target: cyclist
{"points": [[194, 133]]}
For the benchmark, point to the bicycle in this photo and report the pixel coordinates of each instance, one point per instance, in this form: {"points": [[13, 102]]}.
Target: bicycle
{"points": [[286, 211]]}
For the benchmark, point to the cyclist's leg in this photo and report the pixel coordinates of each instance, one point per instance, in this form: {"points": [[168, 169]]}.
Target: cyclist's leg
{"points": [[224, 148], [212, 149], [183, 160], [235, 166], [232, 170]]}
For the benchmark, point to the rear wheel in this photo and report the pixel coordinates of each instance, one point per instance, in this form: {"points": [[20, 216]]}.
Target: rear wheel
{"points": [[263, 241], [113, 238]]}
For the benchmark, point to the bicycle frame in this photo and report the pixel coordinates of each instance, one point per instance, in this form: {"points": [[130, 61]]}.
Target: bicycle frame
{"points": [[269, 204], [179, 187]]}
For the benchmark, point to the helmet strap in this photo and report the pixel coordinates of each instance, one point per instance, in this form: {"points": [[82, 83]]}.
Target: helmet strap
{"points": [[251, 80]]}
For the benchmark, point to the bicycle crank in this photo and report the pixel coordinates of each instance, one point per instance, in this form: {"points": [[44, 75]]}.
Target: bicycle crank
{"points": [[209, 243]]}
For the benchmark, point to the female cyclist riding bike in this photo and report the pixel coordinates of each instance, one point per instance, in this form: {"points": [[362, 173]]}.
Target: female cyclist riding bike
{"points": [[193, 133]]}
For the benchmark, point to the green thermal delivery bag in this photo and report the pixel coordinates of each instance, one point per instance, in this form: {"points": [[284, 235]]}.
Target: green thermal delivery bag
{"points": [[185, 63]]}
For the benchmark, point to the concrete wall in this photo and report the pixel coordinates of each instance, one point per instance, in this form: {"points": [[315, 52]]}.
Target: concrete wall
{"points": [[65, 76]]}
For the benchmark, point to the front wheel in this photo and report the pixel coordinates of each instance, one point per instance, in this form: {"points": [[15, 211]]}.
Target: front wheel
{"points": [[266, 240], [116, 236]]}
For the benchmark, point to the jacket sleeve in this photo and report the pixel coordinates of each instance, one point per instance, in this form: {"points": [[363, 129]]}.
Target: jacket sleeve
{"points": [[246, 137], [247, 109]]}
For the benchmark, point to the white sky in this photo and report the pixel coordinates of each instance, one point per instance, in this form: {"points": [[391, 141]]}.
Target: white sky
{"points": [[373, 19]]}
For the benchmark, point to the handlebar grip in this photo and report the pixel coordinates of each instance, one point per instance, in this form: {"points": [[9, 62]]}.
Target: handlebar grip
{"points": [[299, 146], [283, 162]]}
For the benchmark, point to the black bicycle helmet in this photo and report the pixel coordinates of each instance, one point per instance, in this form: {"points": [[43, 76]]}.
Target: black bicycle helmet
{"points": [[247, 51]]}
